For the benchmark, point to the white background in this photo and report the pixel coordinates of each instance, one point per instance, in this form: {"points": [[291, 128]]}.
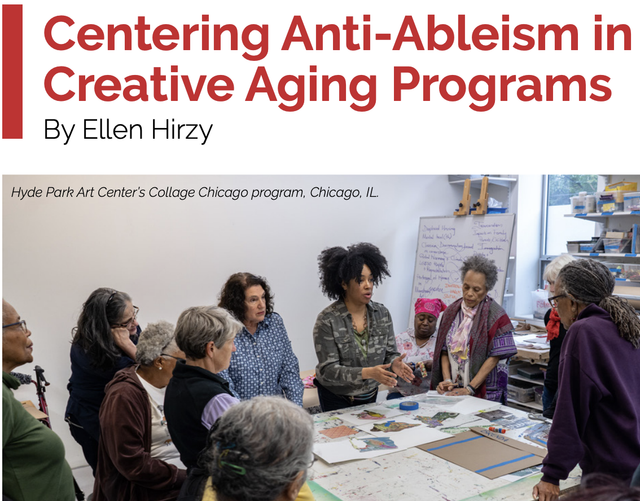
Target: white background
{"points": [[410, 136]]}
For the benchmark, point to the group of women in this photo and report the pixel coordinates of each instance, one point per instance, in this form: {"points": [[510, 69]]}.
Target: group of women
{"points": [[357, 348], [149, 406], [141, 403]]}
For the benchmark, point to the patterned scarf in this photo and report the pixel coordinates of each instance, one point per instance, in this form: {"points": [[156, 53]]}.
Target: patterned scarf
{"points": [[490, 320], [459, 348], [553, 325]]}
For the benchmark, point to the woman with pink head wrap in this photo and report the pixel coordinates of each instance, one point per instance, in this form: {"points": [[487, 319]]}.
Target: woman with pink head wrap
{"points": [[418, 344]]}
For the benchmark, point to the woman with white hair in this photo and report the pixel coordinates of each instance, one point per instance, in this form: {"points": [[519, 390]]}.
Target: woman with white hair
{"points": [[555, 335], [260, 450], [137, 459]]}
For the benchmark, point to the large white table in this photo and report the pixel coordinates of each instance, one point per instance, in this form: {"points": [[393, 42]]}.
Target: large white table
{"points": [[416, 474]]}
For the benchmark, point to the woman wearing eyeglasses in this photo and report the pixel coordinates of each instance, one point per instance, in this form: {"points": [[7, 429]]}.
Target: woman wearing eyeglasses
{"points": [[33, 463], [137, 458], [104, 342], [596, 419]]}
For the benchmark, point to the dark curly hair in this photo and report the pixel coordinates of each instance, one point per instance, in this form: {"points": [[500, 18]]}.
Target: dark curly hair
{"points": [[339, 265], [232, 294], [101, 310]]}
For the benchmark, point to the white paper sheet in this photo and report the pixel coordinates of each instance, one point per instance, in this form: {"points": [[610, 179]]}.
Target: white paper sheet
{"points": [[469, 405], [343, 450]]}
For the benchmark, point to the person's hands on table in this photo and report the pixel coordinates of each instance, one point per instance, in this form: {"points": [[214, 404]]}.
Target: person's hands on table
{"points": [[458, 392], [445, 386], [544, 491]]}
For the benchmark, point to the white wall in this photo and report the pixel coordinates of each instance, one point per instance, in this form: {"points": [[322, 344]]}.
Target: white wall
{"points": [[527, 240], [170, 254]]}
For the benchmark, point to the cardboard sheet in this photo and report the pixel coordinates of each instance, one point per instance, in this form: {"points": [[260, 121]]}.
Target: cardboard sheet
{"points": [[31, 409], [491, 455]]}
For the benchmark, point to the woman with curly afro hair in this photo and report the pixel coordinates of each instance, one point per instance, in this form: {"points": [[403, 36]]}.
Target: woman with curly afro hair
{"points": [[354, 337]]}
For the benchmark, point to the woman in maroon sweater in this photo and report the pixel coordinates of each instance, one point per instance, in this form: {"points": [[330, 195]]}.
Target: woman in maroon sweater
{"points": [[596, 422], [137, 460]]}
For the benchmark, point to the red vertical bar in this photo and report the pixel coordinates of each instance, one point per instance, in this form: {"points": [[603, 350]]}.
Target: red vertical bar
{"points": [[12, 71]]}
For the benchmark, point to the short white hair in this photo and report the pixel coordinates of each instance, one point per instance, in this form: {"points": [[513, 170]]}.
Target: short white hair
{"points": [[553, 268]]}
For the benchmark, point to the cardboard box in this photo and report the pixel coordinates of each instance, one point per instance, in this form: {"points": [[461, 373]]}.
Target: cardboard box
{"points": [[486, 453]]}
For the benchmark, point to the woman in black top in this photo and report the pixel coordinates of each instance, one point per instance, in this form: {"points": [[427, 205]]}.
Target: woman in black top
{"points": [[555, 335]]}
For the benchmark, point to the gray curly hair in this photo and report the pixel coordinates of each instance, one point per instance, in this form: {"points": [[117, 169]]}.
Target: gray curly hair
{"points": [[589, 281], [481, 264], [257, 448], [156, 338]]}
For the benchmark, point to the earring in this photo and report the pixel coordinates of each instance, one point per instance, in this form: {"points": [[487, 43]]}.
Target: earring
{"points": [[159, 368]]}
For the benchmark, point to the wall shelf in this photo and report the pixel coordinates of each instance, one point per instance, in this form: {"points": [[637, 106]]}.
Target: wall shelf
{"points": [[599, 216], [500, 181], [539, 382], [530, 405], [602, 254]]}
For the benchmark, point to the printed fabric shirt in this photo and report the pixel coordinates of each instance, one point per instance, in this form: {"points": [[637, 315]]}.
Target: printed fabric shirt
{"points": [[340, 359], [406, 342], [264, 363]]}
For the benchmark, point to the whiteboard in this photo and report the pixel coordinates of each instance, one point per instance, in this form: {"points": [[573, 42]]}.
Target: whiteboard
{"points": [[445, 242]]}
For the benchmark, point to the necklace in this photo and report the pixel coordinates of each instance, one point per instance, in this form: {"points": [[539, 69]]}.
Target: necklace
{"points": [[423, 344], [364, 319]]}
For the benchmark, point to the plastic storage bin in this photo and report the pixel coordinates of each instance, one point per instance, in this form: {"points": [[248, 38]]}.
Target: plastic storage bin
{"points": [[630, 272], [573, 246], [587, 247], [606, 201], [521, 391], [616, 245], [538, 395], [631, 201]]}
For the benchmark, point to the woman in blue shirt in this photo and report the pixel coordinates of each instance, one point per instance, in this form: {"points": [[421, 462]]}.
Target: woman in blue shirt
{"points": [[264, 362]]}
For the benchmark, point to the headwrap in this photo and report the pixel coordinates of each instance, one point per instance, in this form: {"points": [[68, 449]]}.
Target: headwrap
{"points": [[431, 306], [553, 325]]}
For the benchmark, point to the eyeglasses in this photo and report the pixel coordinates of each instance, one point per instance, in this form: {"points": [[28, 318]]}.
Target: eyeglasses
{"points": [[171, 356], [313, 460], [129, 322], [553, 301], [21, 323]]}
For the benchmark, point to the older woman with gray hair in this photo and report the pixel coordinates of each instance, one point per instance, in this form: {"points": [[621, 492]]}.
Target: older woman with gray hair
{"points": [[598, 406], [475, 334], [197, 396], [136, 456], [259, 450]]}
